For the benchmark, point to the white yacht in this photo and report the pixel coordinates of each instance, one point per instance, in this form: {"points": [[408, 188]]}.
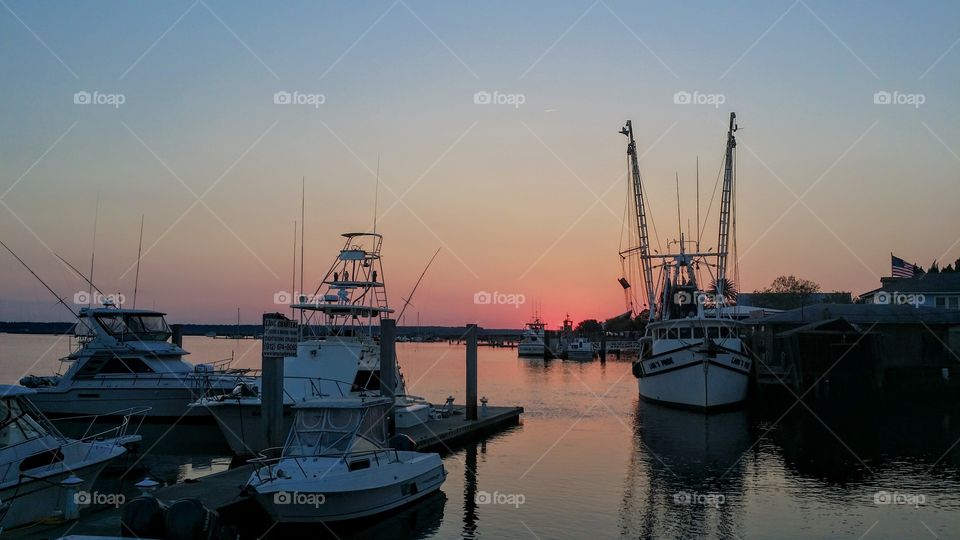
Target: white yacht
{"points": [[531, 342], [124, 358], [579, 349], [692, 354], [338, 354], [336, 465], [39, 467]]}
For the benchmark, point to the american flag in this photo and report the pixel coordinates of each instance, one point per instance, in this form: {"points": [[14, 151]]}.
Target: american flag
{"points": [[900, 267]]}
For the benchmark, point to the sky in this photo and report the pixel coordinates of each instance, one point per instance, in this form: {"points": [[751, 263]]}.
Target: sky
{"points": [[178, 112]]}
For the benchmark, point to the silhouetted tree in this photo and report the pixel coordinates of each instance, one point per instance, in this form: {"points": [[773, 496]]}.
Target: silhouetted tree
{"points": [[934, 269], [793, 285], [589, 326]]}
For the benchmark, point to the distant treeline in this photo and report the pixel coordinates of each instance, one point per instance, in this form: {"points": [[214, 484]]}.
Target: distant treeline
{"points": [[451, 332]]}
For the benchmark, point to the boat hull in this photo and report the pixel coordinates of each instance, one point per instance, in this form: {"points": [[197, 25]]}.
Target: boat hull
{"points": [[530, 349], [165, 403], [695, 379], [288, 504]]}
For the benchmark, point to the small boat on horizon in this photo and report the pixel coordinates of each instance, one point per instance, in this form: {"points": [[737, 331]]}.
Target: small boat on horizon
{"points": [[532, 339]]}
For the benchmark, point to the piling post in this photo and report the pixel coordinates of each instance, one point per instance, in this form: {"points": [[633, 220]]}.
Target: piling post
{"points": [[471, 372], [388, 366], [603, 347], [177, 334]]}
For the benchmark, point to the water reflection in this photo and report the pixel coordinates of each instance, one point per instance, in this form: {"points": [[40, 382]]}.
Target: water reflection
{"points": [[685, 476]]}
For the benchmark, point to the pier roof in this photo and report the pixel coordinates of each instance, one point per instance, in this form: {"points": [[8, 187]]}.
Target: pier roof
{"points": [[865, 314]]}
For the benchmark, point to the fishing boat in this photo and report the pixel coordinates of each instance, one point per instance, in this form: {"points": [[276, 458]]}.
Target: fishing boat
{"points": [[125, 358], [336, 465], [579, 349], [692, 354], [338, 354], [531, 342], [40, 469]]}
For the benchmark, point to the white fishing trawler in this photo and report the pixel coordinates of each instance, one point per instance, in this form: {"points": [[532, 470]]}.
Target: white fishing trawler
{"points": [[338, 354], [336, 465], [40, 469], [580, 348], [692, 354], [124, 358], [531, 342]]}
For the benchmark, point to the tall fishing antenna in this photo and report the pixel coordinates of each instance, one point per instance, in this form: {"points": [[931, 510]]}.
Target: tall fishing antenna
{"points": [[376, 195], [136, 279], [406, 301], [293, 280], [698, 203], [93, 252], [679, 221], [303, 229], [55, 295]]}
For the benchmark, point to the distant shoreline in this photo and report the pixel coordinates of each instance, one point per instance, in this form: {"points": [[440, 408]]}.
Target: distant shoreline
{"points": [[243, 330]]}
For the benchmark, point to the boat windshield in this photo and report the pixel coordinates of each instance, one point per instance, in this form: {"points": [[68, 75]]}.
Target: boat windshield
{"points": [[128, 327], [337, 431], [16, 424]]}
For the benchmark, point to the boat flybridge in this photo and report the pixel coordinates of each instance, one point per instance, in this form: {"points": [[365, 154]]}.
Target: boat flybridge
{"points": [[336, 465], [692, 354], [40, 469], [124, 358], [337, 355], [532, 340]]}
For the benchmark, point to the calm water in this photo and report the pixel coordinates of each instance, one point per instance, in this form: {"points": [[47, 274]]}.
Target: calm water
{"points": [[590, 461]]}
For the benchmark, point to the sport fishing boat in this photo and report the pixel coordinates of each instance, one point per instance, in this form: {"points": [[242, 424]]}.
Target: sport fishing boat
{"points": [[692, 354], [336, 465], [337, 355], [531, 342], [39, 467], [124, 358]]}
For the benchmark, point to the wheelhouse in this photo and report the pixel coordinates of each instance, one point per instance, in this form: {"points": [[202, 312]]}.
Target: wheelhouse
{"points": [[338, 426]]}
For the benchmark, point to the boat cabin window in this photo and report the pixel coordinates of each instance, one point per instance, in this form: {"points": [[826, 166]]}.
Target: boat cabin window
{"points": [[698, 332], [684, 333], [117, 365], [128, 327], [16, 424], [334, 431], [672, 333], [713, 332]]}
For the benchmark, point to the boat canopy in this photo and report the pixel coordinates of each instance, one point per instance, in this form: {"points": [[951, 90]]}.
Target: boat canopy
{"points": [[336, 426]]}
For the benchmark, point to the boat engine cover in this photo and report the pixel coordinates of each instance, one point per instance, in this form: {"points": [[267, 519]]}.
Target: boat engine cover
{"points": [[189, 519], [143, 517]]}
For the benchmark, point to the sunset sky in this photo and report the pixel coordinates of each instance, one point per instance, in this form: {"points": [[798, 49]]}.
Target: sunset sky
{"points": [[524, 197]]}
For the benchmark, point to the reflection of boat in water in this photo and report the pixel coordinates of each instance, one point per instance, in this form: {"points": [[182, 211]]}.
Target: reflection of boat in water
{"points": [[685, 477]]}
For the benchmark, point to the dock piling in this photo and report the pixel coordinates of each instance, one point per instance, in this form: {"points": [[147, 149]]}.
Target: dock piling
{"points": [[471, 372], [388, 366]]}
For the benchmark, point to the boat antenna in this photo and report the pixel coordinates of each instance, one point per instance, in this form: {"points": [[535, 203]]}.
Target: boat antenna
{"points": [[698, 203], [406, 301], [55, 295], [293, 281], [303, 228], [93, 251], [376, 195], [136, 279], [679, 221]]}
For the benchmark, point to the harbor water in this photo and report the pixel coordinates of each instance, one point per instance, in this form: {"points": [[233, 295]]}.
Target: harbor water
{"points": [[592, 461]]}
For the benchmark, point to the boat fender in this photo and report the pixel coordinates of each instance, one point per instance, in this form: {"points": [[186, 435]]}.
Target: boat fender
{"points": [[636, 369], [143, 517], [403, 443], [189, 519]]}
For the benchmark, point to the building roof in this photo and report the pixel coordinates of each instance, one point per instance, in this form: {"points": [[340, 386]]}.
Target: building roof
{"points": [[865, 314], [925, 283]]}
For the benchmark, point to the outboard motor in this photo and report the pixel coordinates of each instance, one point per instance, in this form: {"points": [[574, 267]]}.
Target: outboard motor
{"points": [[189, 519], [403, 443], [143, 517]]}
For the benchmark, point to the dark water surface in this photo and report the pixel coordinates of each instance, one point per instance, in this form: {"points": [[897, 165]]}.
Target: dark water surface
{"points": [[590, 461]]}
